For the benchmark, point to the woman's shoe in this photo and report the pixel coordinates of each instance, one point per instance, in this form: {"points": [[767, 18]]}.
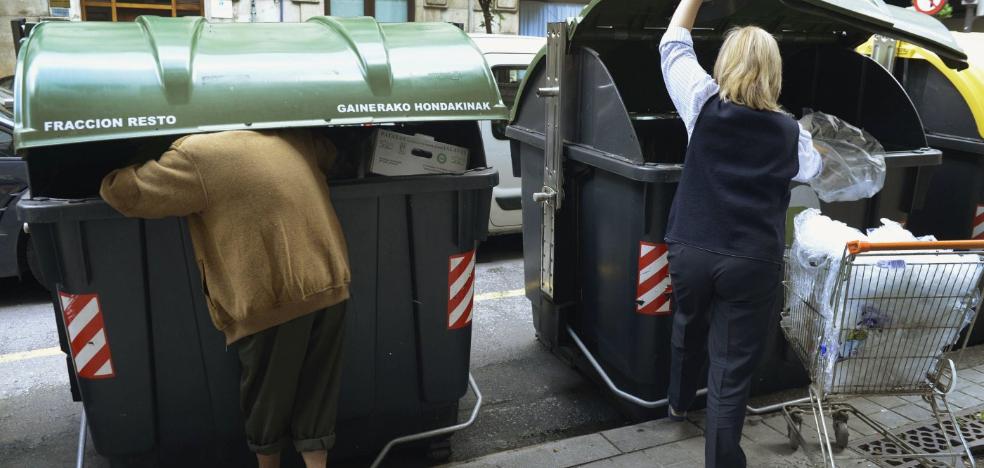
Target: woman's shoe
{"points": [[677, 416]]}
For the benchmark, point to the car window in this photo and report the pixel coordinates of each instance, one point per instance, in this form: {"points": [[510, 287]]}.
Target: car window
{"points": [[6, 144], [6, 128], [508, 77]]}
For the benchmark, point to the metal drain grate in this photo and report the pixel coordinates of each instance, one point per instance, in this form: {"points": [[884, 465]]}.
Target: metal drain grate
{"points": [[925, 437]]}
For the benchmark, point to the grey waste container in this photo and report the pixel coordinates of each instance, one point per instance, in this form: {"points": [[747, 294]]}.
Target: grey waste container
{"points": [[157, 382], [594, 123]]}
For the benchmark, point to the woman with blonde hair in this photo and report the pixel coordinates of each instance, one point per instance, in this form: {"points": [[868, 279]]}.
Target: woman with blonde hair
{"points": [[727, 224]]}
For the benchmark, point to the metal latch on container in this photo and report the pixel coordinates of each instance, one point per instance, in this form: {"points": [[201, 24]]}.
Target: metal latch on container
{"points": [[552, 194], [547, 195], [884, 50]]}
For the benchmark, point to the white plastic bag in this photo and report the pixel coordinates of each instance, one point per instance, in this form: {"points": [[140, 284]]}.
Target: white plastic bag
{"points": [[814, 263], [891, 309], [853, 160], [818, 236], [892, 231], [819, 246]]}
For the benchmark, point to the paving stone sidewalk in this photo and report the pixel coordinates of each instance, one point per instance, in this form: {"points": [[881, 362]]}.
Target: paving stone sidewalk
{"points": [[665, 444]]}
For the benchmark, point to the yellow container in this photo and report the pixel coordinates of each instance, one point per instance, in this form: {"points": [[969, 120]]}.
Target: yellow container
{"points": [[968, 82]]}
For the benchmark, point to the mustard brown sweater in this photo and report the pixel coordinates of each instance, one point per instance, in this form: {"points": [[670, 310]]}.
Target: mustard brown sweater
{"points": [[266, 237]]}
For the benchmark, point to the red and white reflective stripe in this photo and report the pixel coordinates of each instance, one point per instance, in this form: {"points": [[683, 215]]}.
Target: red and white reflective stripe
{"points": [[461, 289], [653, 294], [978, 232], [87, 335], [930, 7]]}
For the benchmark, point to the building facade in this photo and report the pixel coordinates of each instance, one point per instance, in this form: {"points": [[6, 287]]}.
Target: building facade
{"points": [[10, 10], [528, 17]]}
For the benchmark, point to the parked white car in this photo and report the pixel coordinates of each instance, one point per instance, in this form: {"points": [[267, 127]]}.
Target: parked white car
{"points": [[508, 57]]}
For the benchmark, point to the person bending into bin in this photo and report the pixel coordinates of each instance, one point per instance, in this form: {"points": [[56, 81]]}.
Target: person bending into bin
{"points": [[274, 269], [727, 224]]}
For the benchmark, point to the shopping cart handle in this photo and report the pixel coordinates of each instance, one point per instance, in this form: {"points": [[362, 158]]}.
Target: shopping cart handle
{"points": [[857, 247]]}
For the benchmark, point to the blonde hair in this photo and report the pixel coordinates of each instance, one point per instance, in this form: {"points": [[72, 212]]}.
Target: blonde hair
{"points": [[749, 69]]}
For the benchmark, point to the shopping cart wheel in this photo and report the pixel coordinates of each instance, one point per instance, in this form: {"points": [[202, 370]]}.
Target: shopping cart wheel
{"points": [[793, 431], [841, 434], [793, 434]]}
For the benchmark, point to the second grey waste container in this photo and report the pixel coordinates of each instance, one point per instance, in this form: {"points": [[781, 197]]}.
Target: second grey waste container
{"points": [[594, 123], [156, 379]]}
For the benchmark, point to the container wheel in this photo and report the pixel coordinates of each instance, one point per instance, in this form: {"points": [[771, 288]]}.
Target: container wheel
{"points": [[134, 461], [33, 264], [439, 451]]}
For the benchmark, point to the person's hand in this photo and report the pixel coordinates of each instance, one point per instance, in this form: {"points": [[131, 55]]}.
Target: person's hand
{"points": [[686, 14], [822, 150]]}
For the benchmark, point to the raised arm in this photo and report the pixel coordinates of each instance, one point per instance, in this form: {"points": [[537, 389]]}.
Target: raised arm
{"points": [[810, 161], [686, 14], [688, 84]]}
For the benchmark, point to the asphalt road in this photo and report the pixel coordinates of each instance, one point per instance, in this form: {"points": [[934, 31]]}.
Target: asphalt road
{"points": [[39, 422], [530, 395]]}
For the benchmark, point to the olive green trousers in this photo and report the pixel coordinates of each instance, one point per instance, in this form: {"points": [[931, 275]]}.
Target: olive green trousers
{"points": [[290, 382]]}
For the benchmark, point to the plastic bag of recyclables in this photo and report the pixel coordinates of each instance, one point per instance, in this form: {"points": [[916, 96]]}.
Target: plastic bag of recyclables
{"points": [[886, 321], [853, 160]]}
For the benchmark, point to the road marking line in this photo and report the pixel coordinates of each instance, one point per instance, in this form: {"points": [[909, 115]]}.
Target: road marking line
{"points": [[34, 353], [489, 296]]}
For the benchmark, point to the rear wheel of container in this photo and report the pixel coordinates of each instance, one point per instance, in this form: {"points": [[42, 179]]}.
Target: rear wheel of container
{"points": [[31, 259], [439, 450], [134, 461]]}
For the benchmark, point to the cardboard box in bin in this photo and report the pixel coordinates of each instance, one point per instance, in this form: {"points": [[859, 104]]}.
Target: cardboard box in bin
{"points": [[397, 154]]}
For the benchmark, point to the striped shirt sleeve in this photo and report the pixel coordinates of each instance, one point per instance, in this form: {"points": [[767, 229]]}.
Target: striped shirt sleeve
{"points": [[689, 85], [810, 162]]}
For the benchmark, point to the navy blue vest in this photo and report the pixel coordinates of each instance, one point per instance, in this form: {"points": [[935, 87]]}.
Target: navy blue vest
{"points": [[735, 189]]}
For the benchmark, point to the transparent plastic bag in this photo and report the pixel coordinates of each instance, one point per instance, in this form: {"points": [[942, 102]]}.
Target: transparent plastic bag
{"points": [[853, 160], [819, 247], [814, 264], [818, 237]]}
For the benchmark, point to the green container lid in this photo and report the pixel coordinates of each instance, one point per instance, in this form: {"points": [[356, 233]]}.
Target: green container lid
{"points": [[83, 82]]}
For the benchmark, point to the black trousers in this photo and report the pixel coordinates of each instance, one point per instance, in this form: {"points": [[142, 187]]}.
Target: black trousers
{"points": [[722, 310]]}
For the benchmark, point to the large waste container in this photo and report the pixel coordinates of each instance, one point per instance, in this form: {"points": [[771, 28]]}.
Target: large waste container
{"points": [[951, 104], [155, 377], [601, 147]]}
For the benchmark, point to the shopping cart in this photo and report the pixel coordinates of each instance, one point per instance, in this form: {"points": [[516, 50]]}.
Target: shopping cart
{"points": [[878, 323]]}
